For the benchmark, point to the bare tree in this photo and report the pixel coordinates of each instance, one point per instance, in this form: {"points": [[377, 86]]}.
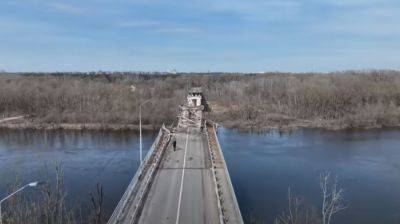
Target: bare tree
{"points": [[97, 205], [54, 204], [300, 213], [257, 102], [332, 197], [49, 207]]}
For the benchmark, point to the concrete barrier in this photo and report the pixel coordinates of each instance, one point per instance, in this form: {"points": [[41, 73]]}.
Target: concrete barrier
{"points": [[225, 174], [130, 189], [220, 212]]}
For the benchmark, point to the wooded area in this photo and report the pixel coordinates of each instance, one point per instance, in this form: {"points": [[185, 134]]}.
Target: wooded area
{"points": [[248, 102]]}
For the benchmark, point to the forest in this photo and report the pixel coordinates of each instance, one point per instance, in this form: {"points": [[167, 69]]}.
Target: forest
{"points": [[248, 102]]}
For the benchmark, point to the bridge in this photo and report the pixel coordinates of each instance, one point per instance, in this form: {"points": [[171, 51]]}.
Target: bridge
{"points": [[188, 183]]}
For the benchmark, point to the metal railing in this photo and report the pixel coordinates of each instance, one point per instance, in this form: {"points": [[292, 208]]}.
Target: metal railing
{"points": [[220, 212], [130, 189], [231, 189], [150, 174]]}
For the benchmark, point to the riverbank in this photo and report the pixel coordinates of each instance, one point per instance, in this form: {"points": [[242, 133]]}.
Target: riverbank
{"points": [[34, 125], [283, 125], [275, 122], [260, 119], [247, 102]]}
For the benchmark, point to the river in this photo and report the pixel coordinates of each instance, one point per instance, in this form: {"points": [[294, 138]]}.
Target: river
{"points": [[86, 158], [262, 167], [366, 164]]}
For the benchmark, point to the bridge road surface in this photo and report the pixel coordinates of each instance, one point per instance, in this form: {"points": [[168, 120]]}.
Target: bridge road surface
{"points": [[183, 190]]}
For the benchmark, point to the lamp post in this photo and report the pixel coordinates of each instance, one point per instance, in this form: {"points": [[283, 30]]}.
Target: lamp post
{"points": [[140, 129], [33, 184]]}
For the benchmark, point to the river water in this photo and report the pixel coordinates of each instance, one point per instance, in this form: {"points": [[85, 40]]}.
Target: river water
{"points": [[366, 164], [262, 167], [86, 158]]}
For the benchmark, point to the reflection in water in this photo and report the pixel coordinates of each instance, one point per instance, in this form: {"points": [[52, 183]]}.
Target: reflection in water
{"points": [[262, 167], [87, 157], [367, 163]]}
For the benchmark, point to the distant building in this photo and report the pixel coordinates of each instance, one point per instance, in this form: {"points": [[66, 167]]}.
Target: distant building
{"points": [[195, 97], [191, 114]]}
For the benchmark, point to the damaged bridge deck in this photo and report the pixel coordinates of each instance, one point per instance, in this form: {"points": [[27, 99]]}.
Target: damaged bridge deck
{"points": [[186, 184]]}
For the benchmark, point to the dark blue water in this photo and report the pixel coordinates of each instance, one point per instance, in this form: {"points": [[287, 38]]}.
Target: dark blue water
{"points": [[262, 167], [86, 158], [366, 163]]}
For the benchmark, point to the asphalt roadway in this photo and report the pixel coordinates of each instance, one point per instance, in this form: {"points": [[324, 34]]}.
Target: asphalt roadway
{"points": [[183, 190]]}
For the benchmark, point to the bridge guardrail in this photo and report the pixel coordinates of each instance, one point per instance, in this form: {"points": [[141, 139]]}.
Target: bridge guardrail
{"points": [[231, 189], [125, 197], [220, 213], [150, 175]]}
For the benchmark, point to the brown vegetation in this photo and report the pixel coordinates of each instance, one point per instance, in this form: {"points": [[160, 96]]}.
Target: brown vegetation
{"points": [[48, 205], [331, 203], [248, 102], [72, 100]]}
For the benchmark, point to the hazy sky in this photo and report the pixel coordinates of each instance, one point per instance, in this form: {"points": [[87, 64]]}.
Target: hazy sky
{"points": [[199, 35]]}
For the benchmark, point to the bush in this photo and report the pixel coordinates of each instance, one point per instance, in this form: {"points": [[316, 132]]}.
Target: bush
{"points": [[255, 101]]}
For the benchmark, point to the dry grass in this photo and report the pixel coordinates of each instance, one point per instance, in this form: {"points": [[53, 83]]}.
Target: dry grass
{"points": [[251, 102]]}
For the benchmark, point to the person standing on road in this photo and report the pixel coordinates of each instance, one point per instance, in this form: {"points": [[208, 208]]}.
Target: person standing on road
{"points": [[174, 144]]}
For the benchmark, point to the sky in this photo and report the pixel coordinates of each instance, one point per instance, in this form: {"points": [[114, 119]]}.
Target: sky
{"points": [[199, 35]]}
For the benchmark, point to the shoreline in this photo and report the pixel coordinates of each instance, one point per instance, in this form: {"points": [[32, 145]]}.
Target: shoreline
{"points": [[247, 127], [76, 126], [260, 127]]}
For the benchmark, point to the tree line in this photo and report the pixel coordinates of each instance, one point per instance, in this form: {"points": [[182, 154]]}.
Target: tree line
{"points": [[244, 101]]}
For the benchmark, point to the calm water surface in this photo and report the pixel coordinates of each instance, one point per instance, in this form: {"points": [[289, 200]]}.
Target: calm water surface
{"points": [[262, 167], [367, 164], [86, 157]]}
